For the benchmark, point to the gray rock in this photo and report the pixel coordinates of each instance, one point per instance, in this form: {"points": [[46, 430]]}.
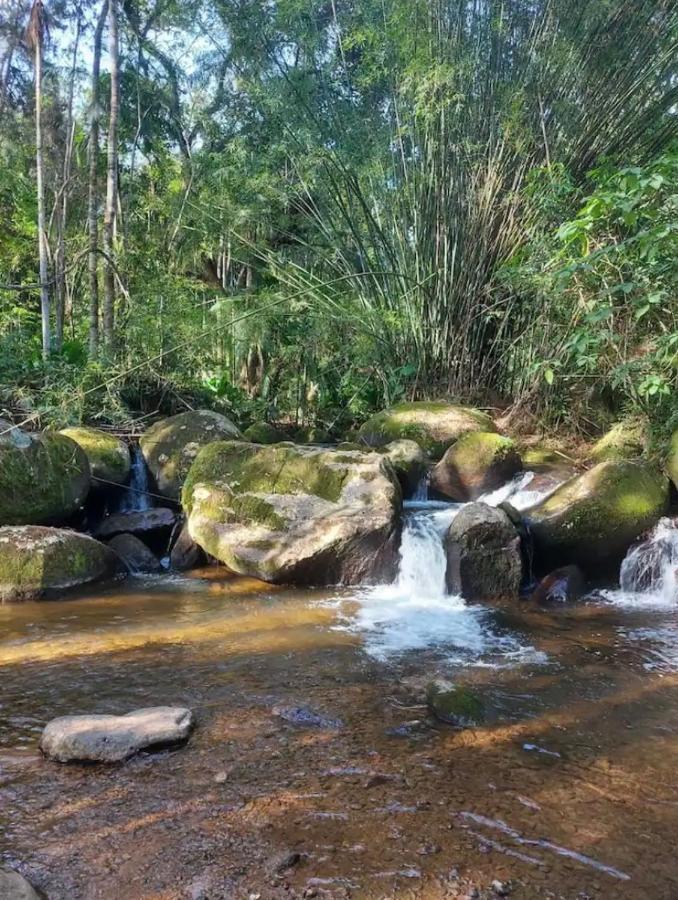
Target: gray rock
{"points": [[135, 554], [112, 739], [14, 886], [483, 554], [185, 553], [409, 461], [147, 521]]}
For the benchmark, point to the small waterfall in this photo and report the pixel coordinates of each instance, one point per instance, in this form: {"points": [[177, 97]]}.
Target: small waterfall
{"points": [[135, 496], [422, 555], [651, 568]]}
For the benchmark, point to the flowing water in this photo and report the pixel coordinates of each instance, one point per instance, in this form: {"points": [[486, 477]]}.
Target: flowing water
{"points": [[315, 769], [137, 496]]}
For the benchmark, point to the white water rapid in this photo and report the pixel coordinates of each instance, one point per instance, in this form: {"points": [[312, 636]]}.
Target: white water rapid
{"points": [[649, 572]]}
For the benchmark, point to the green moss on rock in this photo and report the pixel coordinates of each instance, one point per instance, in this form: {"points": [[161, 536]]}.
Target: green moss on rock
{"points": [[455, 704], [108, 456], [475, 464], [36, 561], [593, 518], [263, 433], [672, 461], [409, 462], [629, 439], [171, 445], [433, 425], [43, 478]]}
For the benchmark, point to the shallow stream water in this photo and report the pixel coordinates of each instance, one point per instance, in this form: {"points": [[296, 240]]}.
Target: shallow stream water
{"points": [[315, 769]]}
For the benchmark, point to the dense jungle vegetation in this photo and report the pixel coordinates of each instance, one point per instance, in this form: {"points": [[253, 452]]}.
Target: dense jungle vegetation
{"points": [[305, 210]]}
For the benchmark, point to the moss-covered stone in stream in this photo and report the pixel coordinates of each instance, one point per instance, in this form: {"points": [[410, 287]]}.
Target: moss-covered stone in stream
{"points": [[43, 478], [593, 518], [628, 439], [434, 425], [475, 464], [263, 433], [170, 446], [455, 704], [36, 561], [108, 456]]}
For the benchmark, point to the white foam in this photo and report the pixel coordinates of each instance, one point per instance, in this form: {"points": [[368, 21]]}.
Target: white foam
{"points": [[649, 573]]}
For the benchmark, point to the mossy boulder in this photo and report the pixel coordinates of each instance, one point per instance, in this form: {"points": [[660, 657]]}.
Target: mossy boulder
{"points": [[628, 439], [454, 704], [593, 518], [433, 425], [170, 446], [36, 561], [483, 554], [263, 433], [409, 461], [478, 462], [296, 515], [108, 456], [672, 460], [44, 478], [312, 434]]}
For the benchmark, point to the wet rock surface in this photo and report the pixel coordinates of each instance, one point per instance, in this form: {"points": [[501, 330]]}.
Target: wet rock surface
{"points": [[158, 521], [110, 739], [137, 557]]}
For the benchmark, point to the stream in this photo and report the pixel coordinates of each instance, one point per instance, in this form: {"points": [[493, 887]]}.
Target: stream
{"points": [[315, 769]]}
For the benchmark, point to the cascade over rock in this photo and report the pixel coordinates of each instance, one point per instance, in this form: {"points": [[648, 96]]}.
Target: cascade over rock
{"points": [[483, 554], [108, 456], [433, 425], [36, 561], [44, 478], [170, 446], [291, 514], [477, 463], [593, 518]]}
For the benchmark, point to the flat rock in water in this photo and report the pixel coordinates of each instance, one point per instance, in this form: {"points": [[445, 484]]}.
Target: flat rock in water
{"points": [[14, 886], [115, 738], [303, 717], [142, 522]]}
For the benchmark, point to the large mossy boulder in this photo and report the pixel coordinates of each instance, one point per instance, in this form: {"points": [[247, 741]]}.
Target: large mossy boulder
{"points": [[483, 554], [36, 561], [478, 462], [108, 456], [433, 425], [263, 433], [628, 439], [409, 462], [170, 446], [44, 478], [593, 518], [296, 515]]}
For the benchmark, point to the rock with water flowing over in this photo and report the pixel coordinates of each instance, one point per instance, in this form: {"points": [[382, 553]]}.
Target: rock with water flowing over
{"points": [[409, 461], [36, 561], [563, 585], [433, 425], [14, 886], [479, 462], [158, 521], [483, 554], [44, 478], [628, 439], [296, 515], [651, 567], [110, 739], [170, 446], [108, 456], [137, 557], [592, 519]]}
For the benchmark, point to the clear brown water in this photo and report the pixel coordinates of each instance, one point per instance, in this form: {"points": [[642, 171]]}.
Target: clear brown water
{"points": [[388, 804]]}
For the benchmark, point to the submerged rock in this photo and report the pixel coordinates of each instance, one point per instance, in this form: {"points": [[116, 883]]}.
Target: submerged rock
{"points": [[135, 554], [108, 456], [170, 446], [36, 561], [592, 519], [483, 554], [263, 433], [409, 461], [303, 717], [433, 425], [629, 439], [112, 739], [44, 478], [156, 521], [298, 515], [454, 704], [563, 585], [14, 886], [477, 463]]}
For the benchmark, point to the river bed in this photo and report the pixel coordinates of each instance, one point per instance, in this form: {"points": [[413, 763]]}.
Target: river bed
{"points": [[568, 790]]}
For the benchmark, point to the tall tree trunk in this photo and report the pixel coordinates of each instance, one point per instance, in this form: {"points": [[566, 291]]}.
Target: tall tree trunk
{"points": [[93, 196], [60, 263], [35, 35], [111, 180]]}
